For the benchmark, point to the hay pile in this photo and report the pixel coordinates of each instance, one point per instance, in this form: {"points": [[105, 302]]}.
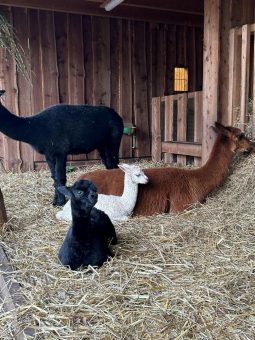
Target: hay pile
{"points": [[186, 276]]}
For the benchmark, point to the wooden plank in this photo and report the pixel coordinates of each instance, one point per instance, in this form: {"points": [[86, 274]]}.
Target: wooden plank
{"points": [[253, 103], [61, 30], [76, 73], [168, 158], [101, 41], [12, 155], [156, 131], [245, 69], [210, 73], [126, 93], [122, 11], [199, 59], [191, 58], [140, 92], [189, 149], [225, 26], [21, 24], [198, 102], [170, 59], [36, 68], [198, 122], [49, 59], [182, 123], [234, 73], [89, 60]]}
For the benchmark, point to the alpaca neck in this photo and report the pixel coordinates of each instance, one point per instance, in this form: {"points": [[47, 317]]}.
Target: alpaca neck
{"points": [[129, 193], [217, 167], [14, 127], [79, 225]]}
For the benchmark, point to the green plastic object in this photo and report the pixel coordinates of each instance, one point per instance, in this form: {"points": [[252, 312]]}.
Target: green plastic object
{"points": [[129, 130]]}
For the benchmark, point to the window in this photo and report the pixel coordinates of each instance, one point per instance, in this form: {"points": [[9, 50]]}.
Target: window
{"points": [[181, 79]]}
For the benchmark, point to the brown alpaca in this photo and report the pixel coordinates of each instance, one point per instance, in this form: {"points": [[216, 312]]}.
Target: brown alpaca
{"points": [[174, 189]]}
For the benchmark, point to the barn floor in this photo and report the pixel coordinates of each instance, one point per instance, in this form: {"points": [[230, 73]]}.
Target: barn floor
{"points": [[186, 276]]}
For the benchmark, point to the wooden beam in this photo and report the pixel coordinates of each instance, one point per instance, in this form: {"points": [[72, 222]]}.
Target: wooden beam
{"points": [[189, 149], [127, 12], [210, 73]]}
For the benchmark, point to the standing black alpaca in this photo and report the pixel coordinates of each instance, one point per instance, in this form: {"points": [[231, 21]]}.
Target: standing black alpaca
{"points": [[86, 242], [64, 129]]}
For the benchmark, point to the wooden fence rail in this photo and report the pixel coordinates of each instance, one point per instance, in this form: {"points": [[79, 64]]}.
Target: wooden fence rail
{"points": [[177, 127]]}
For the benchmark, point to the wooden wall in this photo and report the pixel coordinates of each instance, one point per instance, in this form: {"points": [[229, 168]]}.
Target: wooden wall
{"points": [[94, 60]]}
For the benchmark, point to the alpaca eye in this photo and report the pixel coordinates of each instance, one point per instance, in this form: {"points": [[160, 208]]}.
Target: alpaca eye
{"points": [[79, 193], [138, 175]]}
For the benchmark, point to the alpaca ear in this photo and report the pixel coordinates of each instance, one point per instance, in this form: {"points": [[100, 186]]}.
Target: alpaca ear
{"points": [[124, 167], [65, 191], [221, 129]]}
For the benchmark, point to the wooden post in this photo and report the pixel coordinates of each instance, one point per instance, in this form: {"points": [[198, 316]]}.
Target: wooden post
{"points": [[210, 72], [182, 124], [156, 132], [168, 125], [3, 215], [245, 69]]}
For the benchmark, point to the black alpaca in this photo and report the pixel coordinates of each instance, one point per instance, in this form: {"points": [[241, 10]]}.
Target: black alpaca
{"points": [[64, 129], [87, 240]]}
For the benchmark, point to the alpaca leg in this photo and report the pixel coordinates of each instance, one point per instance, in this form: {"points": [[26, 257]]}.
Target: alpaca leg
{"points": [[60, 179], [51, 161], [109, 157]]}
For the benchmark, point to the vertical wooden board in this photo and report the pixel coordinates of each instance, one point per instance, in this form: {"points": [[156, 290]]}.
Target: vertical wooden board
{"points": [[210, 73], [199, 59], [191, 58], [181, 46], [12, 155], [253, 104], [182, 124], [225, 25], [234, 75], [156, 131], [140, 91], [89, 65], [170, 59], [154, 49], [49, 59], [61, 29], [245, 68], [88, 59], [76, 73], [115, 63], [198, 123], [126, 109], [101, 48], [36, 68], [148, 52], [21, 24], [168, 126]]}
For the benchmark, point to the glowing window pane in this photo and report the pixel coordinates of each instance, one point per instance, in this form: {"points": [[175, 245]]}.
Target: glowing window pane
{"points": [[181, 79]]}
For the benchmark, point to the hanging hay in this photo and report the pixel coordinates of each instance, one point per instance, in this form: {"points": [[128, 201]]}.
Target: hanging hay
{"points": [[186, 276], [9, 42]]}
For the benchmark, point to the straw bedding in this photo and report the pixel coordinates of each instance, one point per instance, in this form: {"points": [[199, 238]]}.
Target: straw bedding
{"points": [[186, 276]]}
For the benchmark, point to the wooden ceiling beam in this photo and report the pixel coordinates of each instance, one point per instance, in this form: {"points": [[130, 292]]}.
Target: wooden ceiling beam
{"points": [[125, 12]]}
